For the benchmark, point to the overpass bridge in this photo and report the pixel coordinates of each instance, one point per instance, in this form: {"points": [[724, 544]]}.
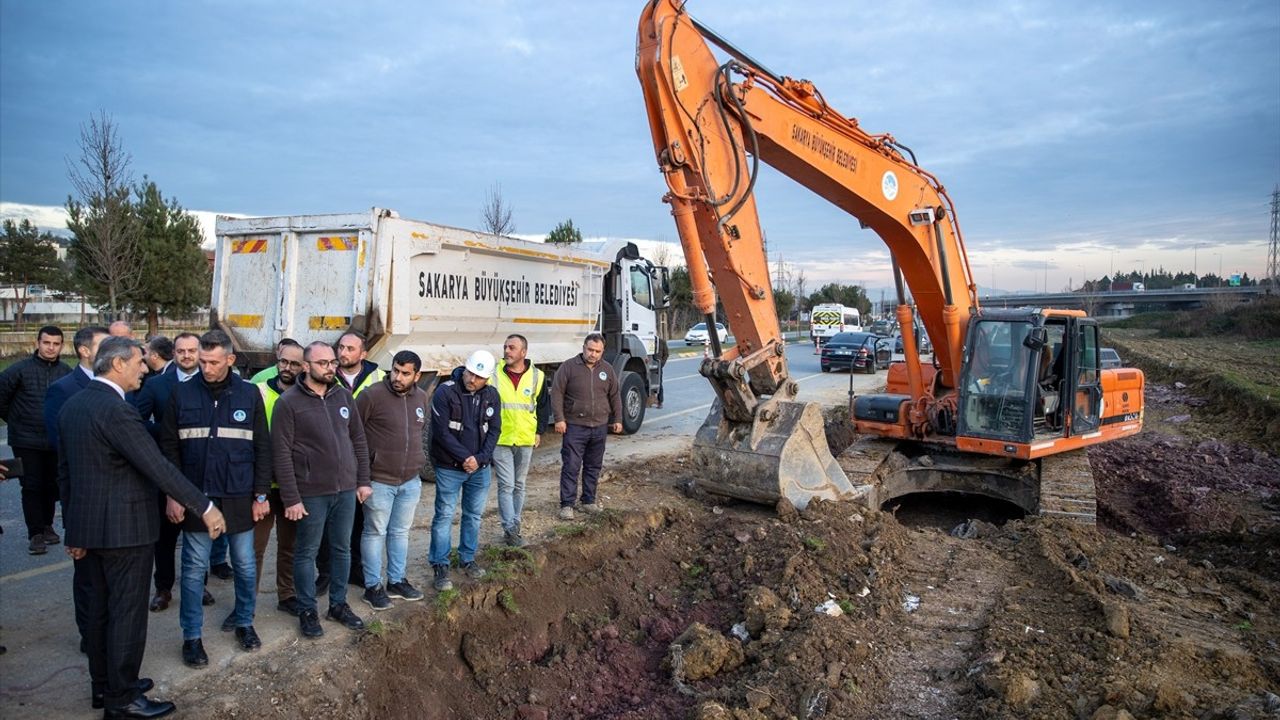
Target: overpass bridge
{"points": [[1121, 303]]}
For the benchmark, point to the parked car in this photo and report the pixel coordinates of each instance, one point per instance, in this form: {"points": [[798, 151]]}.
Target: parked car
{"points": [[860, 350], [1110, 358], [922, 345], [697, 334]]}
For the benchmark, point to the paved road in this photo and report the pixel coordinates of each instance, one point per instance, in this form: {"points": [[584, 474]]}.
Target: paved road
{"points": [[42, 675]]}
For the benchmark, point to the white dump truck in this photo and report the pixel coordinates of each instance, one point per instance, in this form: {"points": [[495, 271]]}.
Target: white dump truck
{"points": [[440, 291]]}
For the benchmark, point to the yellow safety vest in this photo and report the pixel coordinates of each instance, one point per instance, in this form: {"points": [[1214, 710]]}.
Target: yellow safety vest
{"points": [[519, 405], [269, 398]]}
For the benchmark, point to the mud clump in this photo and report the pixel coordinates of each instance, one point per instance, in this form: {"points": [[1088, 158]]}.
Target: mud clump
{"points": [[700, 653]]}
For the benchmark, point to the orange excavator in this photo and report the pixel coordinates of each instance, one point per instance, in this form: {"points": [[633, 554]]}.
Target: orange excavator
{"points": [[1011, 395]]}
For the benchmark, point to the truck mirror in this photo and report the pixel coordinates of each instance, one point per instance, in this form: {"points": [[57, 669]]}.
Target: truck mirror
{"points": [[1036, 339]]}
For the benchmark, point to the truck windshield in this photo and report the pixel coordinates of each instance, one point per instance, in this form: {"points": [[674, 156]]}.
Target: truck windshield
{"points": [[640, 291], [994, 380]]}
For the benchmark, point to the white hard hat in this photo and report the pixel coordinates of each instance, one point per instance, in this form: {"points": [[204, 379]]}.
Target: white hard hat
{"points": [[481, 364]]}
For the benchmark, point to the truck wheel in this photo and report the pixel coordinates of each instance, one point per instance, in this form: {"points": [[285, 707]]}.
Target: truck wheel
{"points": [[633, 402]]}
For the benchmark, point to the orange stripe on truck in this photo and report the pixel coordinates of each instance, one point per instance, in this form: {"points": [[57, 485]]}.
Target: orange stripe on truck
{"points": [[250, 245], [336, 242]]}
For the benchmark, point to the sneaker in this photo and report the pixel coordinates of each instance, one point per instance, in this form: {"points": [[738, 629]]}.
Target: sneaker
{"points": [[404, 591], [289, 605], [376, 598], [50, 536], [222, 571], [566, 513], [309, 623], [38, 546], [342, 613], [441, 581], [513, 538], [591, 508], [248, 638], [229, 622], [473, 571]]}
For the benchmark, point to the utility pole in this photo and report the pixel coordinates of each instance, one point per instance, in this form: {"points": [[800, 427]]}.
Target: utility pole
{"points": [[1273, 254]]}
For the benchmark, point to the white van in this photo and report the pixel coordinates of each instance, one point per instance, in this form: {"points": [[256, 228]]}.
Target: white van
{"points": [[829, 319]]}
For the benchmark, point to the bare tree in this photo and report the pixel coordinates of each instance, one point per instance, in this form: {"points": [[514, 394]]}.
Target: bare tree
{"points": [[495, 216], [106, 249]]}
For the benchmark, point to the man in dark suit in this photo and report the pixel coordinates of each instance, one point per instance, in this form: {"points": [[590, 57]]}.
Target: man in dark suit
{"points": [[108, 498], [85, 342]]}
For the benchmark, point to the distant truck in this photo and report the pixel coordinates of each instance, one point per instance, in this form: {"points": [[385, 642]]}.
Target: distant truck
{"points": [[1128, 286], [831, 318], [1187, 286], [440, 291]]}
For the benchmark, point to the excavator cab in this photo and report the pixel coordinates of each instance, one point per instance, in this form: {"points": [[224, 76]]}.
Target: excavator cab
{"points": [[1029, 378]]}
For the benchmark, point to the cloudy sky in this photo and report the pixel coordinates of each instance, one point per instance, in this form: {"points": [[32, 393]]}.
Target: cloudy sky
{"points": [[1072, 136]]}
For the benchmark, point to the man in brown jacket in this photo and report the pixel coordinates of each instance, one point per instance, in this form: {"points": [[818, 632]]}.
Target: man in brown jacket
{"points": [[587, 404], [394, 413], [321, 461]]}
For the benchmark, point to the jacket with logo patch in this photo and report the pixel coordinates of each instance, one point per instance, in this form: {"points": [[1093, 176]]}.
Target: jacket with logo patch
{"points": [[464, 424]]}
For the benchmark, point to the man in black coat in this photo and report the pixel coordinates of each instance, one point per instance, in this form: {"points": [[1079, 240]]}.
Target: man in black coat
{"points": [[22, 389], [108, 499]]}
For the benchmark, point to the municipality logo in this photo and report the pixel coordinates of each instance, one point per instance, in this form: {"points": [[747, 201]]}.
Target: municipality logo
{"points": [[239, 415], [604, 375], [420, 413], [344, 412], [528, 392], [488, 412]]}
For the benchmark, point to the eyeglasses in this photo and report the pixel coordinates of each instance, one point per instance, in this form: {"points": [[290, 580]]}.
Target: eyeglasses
{"points": [[323, 363], [289, 363]]}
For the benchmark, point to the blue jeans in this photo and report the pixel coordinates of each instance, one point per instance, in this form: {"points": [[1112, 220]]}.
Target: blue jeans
{"points": [[218, 553], [511, 466], [474, 489], [338, 511], [195, 565], [388, 514]]}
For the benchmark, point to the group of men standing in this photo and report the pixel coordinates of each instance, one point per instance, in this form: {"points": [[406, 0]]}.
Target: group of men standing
{"points": [[305, 448]]}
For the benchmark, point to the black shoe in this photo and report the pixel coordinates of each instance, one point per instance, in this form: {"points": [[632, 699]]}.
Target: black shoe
{"points": [[193, 653], [38, 546], [248, 638], [100, 698], [376, 598], [142, 707], [229, 622], [441, 582], [207, 600], [288, 605], [309, 623], [222, 571], [404, 591], [51, 536], [342, 613]]}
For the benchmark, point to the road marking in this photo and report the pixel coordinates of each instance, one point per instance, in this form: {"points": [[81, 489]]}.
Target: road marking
{"points": [[34, 572], [683, 377]]}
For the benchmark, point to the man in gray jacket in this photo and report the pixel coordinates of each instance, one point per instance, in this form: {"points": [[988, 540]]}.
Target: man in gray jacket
{"points": [[321, 462], [587, 405]]}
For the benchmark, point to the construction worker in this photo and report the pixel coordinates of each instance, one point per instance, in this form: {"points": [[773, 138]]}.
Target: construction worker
{"points": [[355, 373], [587, 404], [288, 367], [525, 397]]}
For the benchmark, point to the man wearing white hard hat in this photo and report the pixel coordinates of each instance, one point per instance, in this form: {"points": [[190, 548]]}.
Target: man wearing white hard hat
{"points": [[466, 420]]}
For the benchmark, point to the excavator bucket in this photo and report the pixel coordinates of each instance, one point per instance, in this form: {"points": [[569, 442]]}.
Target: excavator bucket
{"points": [[785, 456]]}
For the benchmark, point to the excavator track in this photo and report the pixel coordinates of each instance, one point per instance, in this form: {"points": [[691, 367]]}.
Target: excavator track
{"points": [[1067, 490], [1058, 486]]}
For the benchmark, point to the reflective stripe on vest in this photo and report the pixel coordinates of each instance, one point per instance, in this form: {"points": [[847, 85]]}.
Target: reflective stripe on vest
{"points": [[192, 433], [519, 405]]}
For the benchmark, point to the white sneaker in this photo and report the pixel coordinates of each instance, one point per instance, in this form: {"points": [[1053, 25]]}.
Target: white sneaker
{"points": [[566, 512], [591, 508]]}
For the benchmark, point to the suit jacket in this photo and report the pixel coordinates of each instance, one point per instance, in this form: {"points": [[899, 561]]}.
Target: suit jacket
{"points": [[57, 396], [108, 471], [153, 399]]}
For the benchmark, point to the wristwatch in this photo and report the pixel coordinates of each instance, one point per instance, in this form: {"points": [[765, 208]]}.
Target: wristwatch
{"points": [[260, 498]]}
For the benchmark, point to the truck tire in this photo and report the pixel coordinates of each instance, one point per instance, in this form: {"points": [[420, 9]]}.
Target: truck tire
{"points": [[633, 402]]}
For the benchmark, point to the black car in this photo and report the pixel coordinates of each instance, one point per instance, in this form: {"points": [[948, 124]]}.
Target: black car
{"points": [[859, 350]]}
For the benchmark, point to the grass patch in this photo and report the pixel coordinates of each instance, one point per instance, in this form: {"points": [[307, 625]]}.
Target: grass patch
{"points": [[507, 601], [815, 544], [845, 606], [380, 628], [505, 562], [562, 531], [444, 600]]}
